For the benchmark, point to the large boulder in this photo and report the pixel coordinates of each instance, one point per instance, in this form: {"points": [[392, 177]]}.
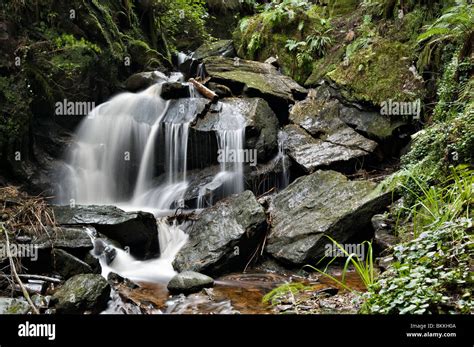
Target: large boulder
{"points": [[67, 265], [318, 138], [261, 124], [143, 80], [220, 48], [256, 79], [70, 238], [86, 293], [189, 282], [323, 203], [136, 230], [378, 72], [224, 237]]}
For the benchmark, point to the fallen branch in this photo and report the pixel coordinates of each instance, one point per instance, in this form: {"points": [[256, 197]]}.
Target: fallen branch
{"points": [[38, 277], [15, 274], [206, 92]]}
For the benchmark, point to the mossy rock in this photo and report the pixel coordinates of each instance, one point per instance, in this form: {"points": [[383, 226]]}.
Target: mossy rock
{"points": [[325, 65], [378, 73], [222, 48], [13, 306], [256, 39], [82, 293]]}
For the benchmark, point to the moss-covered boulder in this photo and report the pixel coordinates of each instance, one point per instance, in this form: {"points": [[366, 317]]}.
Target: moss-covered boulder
{"points": [[379, 72], [220, 48], [324, 203], [256, 79], [82, 293]]}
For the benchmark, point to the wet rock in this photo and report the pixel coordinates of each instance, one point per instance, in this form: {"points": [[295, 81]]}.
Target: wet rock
{"points": [[174, 90], [206, 184], [338, 150], [189, 282], [385, 262], [68, 265], [384, 234], [261, 130], [224, 237], [221, 90], [256, 79], [318, 138], [221, 48], [13, 306], [136, 230], [64, 237], [273, 61], [82, 293], [323, 203], [143, 80]]}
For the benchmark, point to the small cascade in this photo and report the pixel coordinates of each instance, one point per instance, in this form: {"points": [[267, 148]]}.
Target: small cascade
{"points": [[116, 260], [230, 132], [284, 180]]}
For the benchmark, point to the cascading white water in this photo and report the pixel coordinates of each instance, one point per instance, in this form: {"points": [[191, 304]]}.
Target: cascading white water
{"points": [[175, 126], [114, 135], [160, 270], [231, 143], [285, 177], [114, 160], [230, 132]]}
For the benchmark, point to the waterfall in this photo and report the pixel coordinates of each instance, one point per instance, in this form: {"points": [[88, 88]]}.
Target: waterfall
{"points": [[230, 144], [230, 133], [132, 152], [109, 140], [160, 270], [285, 177]]}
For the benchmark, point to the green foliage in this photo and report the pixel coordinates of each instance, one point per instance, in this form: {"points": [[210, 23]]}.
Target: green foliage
{"points": [[283, 12], [182, 21], [364, 267], [281, 291], [390, 8], [431, 274], [447, 202], [455, 87], [454, 26], [296, 31], [69, 41], [15, 98]]}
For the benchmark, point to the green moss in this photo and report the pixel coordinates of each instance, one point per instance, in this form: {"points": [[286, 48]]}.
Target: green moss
{"points": [[267, 34], [378, 73], [340, 7], [432, 152], [15, 98], [323, 66]]}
